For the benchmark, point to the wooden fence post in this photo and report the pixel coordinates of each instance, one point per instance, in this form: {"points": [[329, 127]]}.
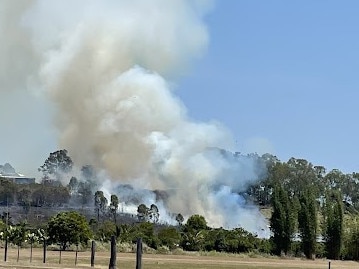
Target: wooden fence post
{"points": [[329, 265], [139, 254], [93, 249], [77, 250], [18, 253], [5, 255], [112, 264], [31, 242], [44, 252]]}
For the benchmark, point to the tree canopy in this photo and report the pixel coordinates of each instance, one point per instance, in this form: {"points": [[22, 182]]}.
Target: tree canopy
{"points": [[56, 164], [68, 228]]}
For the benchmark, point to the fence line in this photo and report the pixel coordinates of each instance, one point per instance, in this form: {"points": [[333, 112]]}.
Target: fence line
{"points": [[113, 253]]}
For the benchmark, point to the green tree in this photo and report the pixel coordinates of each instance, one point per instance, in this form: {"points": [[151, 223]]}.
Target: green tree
{"points": [[303, 175], [193, 240], [17, 235], [354, 195], [334, 215], [281, 221], [145, 230], [261, 192], [85, 193], [142, 212], [100, 204], [179, 219], [215, 240], [194, 233], [169, 237], [196, 222], [105, 231], [307, 221], [68, 228], [2, 227], [154, 213], [114, 206], [126, 232], [351, 237], [56, 164]]}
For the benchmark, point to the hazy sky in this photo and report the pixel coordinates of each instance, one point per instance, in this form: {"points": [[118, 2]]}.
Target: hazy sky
{"points": [[281, 75]]}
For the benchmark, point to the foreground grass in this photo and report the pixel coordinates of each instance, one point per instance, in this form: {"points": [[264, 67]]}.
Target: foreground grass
{"points": [[160, 261]]}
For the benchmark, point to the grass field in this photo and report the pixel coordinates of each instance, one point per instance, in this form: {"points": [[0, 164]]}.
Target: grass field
{"points": [[157, 261]]}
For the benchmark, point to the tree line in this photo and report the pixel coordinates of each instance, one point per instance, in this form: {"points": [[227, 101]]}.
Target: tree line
{"points": [[296, 175], [314, 212], [71, 228]]}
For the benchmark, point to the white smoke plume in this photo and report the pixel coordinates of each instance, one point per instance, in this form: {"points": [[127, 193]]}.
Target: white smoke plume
{"points": [[106, 65]]}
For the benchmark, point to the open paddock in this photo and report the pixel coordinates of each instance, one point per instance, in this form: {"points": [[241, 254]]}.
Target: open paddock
{"points": [[160, 261]]}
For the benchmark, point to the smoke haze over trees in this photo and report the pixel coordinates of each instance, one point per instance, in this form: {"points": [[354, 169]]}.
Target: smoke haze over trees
{"points": [[108, 67]]}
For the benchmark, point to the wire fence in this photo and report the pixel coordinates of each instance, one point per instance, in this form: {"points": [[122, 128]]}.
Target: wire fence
{"points": [[13, 253]]}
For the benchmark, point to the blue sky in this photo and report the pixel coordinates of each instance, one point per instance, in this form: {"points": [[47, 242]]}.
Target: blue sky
{"points": [[283, 77]]}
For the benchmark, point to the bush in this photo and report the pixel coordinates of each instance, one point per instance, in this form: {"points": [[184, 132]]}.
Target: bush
{"points": [[169, 237], [105, 231]]}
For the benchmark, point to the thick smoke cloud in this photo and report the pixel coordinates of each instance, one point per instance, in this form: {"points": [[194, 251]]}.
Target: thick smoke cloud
{"points": [[106, 67]]}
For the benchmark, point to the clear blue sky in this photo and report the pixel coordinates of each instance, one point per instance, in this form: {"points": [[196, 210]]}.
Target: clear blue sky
{"points": [[283, 76]]}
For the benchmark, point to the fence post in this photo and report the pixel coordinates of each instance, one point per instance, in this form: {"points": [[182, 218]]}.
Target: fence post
{"points": [[44, 252], [18, 253], [5, 255], [139, 254], [31, 242], [93, 246], [112, 264], [77, 250], [329, 265]]}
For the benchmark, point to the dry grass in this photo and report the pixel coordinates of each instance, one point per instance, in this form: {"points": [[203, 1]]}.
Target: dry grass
{"points": [[160, 261]]}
